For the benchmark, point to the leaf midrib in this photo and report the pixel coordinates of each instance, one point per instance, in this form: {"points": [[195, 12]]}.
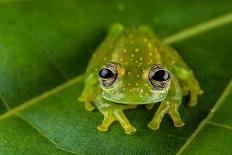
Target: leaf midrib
{"points": [[198, 29], [43, 96], [180, 36]]}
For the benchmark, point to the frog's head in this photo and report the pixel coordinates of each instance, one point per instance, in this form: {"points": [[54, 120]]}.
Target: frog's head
{"points": [[131, 85]]}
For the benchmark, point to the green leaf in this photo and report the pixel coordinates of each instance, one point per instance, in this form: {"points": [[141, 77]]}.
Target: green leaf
{"points": [[45, 43], [213, 135], [30, 140]]}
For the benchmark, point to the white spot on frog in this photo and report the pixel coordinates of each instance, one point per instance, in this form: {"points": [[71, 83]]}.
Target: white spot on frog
{"points": [[145, 40]]}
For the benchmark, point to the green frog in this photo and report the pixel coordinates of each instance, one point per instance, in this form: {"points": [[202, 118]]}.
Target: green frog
{"points": [[133, 67]]}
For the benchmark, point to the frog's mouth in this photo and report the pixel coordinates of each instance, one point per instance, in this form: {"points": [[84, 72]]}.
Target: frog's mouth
{"points": [[122, 98]]}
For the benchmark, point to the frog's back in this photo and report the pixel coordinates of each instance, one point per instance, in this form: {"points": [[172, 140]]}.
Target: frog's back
{"points": [[136, 47]]}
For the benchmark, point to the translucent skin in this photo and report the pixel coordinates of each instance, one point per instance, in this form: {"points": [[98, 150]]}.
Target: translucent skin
{"points": [[135, 51]]}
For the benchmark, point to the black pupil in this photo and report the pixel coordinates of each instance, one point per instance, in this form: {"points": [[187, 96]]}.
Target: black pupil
{"points": [[160, 75], [106, 73]]}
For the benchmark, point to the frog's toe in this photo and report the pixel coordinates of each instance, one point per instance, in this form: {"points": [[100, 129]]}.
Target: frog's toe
{"points": [[107, 121], [193, 99], [179, 123], [185, 90], [102, 128], [153, 125], [89, 106], [120, 116], [130, 130], [194, 92], [192, 103]]}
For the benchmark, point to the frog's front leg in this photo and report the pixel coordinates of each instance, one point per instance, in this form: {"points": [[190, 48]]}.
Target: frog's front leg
{"points": [[169, 106], [114, 112], [88, 95]]}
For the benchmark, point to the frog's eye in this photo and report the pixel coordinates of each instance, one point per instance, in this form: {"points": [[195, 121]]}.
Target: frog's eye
{"points": [[108, 75], [159, 77]]}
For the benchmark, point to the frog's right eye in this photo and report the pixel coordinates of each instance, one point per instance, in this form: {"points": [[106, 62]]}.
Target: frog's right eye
{"points": [[108, 75]]}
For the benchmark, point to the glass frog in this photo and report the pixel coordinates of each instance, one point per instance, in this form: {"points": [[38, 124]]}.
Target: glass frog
{"points": [[133, 67]]}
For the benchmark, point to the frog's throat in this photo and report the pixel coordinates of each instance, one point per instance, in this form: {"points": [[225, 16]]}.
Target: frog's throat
{"points": [[140, 101]]}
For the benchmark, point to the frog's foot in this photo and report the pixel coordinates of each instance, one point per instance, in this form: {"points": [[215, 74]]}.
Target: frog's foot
{"points": [[192, 87], [185, 90], [116, 115], [171, 109], [194, 92], [149, 106], [89, 106], [107, 121]]}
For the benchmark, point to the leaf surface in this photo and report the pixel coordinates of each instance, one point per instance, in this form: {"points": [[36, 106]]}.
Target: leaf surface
{"points": [[213, 135], [45, 43]]}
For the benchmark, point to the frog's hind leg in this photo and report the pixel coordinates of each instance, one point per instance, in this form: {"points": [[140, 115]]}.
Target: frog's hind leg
{"points": [[189, 84], [114, 112], [169, 106]]}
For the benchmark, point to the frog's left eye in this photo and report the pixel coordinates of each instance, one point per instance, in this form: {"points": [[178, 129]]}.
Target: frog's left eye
{"points": [[108, 75], [159, 77]]}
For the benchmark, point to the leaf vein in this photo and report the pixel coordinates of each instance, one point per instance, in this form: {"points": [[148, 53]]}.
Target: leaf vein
{"points": [[198, 29], [4, 102], [41, 133], [206, 120], [220, 125], [43, 96], [47, 53]]}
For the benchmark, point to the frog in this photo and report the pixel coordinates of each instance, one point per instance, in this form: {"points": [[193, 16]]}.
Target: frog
{"points": [[132, 67]]}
